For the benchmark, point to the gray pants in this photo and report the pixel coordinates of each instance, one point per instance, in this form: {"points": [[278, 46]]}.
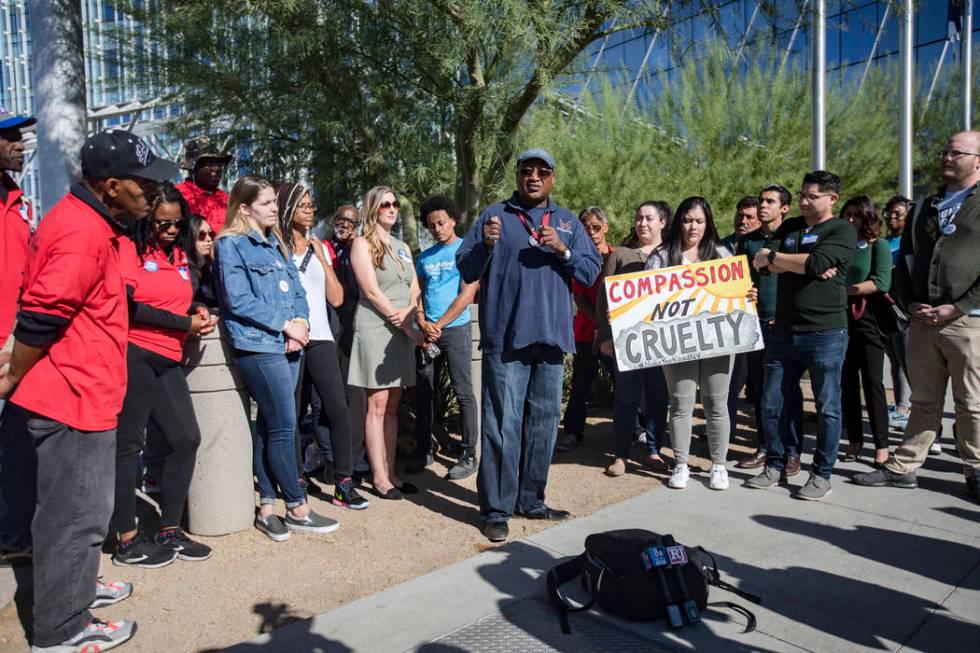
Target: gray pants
{"points": [[75, 482], [896, 346], [713, 376]]}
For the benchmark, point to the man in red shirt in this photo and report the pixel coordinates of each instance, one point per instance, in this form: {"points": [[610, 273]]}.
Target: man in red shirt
{"points": [[65, 382], [207, 164], [16, 218]]}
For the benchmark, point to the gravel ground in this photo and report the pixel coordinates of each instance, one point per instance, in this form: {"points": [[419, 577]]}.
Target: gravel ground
{"points": [[252, 585]]}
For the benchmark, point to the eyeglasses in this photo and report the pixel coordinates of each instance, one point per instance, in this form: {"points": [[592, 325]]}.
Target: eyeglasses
{"points": [[164, 225], [593, 228], [344, 220], [896, 214], [811, 197], [955, 154], [307, 206], [384, 206], [543, 173], [205, 235]]}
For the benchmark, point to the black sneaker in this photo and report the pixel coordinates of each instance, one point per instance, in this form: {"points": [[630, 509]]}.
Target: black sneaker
{"points": [[186, 548], [884, 476], [971, 487], [345, 494], [143, 552], [465, 468], [417, 464], [495, 531]]}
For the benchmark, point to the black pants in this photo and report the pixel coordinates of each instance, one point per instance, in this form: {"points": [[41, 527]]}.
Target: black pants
{"points": [[320, 371], [585, 364], [863, 368], [156, 388], [456, 345]]}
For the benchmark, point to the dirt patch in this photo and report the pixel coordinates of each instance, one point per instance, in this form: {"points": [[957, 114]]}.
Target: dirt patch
{"points": [[253, 585]]}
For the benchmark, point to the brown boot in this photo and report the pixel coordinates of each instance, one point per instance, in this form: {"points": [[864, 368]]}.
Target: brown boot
{"points": [[758, 459], [792, 467]]}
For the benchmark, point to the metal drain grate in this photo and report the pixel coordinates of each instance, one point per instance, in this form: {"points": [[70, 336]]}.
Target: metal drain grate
{"points": [[531, 626]]}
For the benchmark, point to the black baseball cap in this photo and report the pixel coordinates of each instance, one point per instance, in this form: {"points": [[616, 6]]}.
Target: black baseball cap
{"points": [[120, 153]]}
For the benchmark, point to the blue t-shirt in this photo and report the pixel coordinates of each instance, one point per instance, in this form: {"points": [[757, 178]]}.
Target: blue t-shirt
{"points": [[436, 268], [893, 243], [950, 206]]}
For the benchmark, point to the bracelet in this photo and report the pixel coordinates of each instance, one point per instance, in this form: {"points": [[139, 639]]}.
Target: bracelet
{"points": [[772, 256]]}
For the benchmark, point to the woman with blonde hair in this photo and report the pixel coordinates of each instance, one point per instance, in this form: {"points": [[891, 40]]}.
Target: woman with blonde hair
{"points": [[264, 310], [382, 357]]}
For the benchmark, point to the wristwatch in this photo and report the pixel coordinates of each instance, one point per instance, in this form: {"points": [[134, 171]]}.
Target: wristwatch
{"points": [[566, 255], [772, 256]]}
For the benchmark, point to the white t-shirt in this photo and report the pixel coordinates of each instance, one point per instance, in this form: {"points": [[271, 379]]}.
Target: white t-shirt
{"points": [[314, 281]]}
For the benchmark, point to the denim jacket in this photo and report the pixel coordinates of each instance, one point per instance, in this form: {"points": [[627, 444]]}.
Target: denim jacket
{"points": [[259, 291]]}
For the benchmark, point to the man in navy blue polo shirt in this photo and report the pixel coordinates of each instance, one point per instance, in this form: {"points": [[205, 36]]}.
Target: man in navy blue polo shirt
{"points": [[525, 252]]}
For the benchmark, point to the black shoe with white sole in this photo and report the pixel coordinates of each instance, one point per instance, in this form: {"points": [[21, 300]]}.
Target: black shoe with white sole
{"points": [[186, 548], [142, 552]]}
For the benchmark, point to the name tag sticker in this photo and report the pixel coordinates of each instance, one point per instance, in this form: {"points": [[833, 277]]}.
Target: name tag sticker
{"points": [[283, 286], [403, 255], [151, 266], [790, 241], [810, 239]]}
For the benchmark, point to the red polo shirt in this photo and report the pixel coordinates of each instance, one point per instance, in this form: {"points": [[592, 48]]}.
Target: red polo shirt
{"points": [[15, 234], [210, 206], [73, 273], [582, 326], [161, 284]]}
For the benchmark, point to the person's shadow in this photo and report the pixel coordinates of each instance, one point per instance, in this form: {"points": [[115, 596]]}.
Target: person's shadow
{"points": [[288, 632]]}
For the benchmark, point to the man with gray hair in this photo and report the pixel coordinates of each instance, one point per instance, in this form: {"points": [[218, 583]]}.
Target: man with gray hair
{"points": [[937, 276]]}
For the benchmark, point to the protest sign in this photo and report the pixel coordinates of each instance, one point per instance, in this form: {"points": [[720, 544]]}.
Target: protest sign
{"points": [[682, 313]]}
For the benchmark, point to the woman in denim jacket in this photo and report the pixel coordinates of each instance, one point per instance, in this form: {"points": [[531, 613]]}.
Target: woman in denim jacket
{"points": [[264, 310]]}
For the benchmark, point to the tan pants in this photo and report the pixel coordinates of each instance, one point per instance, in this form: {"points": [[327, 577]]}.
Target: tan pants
{"points": [[937, 354]]}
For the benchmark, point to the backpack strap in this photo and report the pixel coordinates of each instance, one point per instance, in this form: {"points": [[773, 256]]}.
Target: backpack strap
{"points": [[715, 579], [561, 574], [748, 614], [916, 210]]}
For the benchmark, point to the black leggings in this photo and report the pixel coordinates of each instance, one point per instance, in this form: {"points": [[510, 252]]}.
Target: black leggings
{"points": [[864, 369], [157, 388], [321, 368]]}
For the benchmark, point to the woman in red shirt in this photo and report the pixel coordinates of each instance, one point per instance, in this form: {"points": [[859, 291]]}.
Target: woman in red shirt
{"points": [[158, 285]]}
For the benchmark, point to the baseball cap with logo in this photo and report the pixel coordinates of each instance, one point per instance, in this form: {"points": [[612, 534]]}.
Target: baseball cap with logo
{"points": [[199, 148], [10, 121], [119, 153]]}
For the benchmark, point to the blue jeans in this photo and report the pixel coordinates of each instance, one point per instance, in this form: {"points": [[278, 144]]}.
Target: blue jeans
{"points": [[629, 387], [271, 379], [791, 422], [521, 409], [788, 356]]}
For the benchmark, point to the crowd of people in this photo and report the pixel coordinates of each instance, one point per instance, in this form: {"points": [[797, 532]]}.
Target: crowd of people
{"points": [[98, 299]]}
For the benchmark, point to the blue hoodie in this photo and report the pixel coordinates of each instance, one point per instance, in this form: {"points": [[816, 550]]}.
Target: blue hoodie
{"points": [[525, 291]]}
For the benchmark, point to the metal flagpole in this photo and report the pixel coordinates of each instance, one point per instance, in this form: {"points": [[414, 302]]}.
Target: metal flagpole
{"points": [[874, 46], [966, 48], [745, 37], [935, 75], [905, 100], [818, 136]]}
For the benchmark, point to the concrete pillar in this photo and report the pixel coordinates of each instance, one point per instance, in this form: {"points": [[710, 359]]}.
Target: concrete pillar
{"points": [[222, 495]]}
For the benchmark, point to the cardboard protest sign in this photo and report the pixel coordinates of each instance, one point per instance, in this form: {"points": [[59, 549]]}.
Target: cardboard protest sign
{"points": [[682, 313]]}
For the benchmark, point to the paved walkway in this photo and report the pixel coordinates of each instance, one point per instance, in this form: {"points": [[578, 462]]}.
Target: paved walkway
{"points": [[867, 569]]}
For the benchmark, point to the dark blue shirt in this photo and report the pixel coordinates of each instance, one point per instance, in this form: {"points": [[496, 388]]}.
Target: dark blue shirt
{"points": [[525, 291]]}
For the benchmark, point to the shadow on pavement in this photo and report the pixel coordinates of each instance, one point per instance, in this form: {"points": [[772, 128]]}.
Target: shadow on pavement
{"points": [[297, 639]]}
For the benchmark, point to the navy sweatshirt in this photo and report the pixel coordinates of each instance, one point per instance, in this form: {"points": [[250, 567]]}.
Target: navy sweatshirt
{"points": [[525, 291]]}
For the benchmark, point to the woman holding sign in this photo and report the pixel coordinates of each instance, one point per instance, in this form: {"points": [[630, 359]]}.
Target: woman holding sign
{"points": [[652, 218], [693, 238]]}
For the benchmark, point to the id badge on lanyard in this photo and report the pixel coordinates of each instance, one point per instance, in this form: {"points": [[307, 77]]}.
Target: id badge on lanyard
{"points": [[533, 239]]}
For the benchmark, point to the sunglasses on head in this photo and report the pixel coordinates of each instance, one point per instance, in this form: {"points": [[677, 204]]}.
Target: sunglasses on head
{"points": [[164, 225], [390, 205]]}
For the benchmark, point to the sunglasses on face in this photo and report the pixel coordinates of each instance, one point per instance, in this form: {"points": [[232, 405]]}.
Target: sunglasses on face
{"points": [[543, 173], [165, 225], [205, 235], [593, 228], [384, 206]]}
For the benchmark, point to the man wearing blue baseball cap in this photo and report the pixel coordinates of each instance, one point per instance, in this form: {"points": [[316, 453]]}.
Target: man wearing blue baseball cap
{"points": [[525, 252], [66, 381], [16, 218]]}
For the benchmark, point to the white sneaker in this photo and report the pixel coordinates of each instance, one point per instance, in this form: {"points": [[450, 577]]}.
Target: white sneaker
{"points": [[678, 480], [719, 478], [935, 449]]}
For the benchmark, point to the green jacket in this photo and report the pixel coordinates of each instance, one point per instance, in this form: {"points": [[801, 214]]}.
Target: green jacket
{"points": [[936, 268]]}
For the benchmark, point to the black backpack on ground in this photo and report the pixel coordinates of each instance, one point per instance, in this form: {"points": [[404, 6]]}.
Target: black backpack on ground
{"points": [[643, 576]]}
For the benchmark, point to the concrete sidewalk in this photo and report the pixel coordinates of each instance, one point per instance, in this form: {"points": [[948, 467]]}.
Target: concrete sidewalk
{"points": [[867, 569]]}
